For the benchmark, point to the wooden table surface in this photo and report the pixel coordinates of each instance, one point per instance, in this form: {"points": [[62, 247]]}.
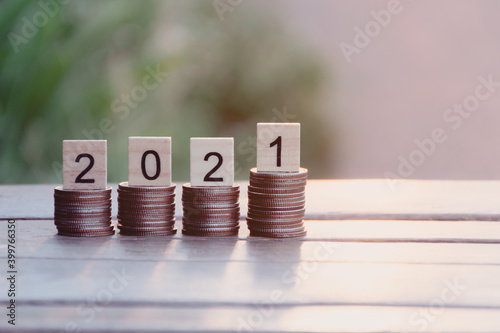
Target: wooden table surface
{"points": [[408, 256]]}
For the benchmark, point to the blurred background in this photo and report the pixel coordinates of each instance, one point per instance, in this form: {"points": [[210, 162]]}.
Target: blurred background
{"points": [[370, 81]]}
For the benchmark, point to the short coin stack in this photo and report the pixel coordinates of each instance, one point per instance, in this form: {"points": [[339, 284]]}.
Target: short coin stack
{"points": [[146, 211], [276, 203], [83, 213], [210, 211]]}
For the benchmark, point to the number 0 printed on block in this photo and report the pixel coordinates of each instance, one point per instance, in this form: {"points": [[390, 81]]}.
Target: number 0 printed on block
{"points": [[84, 165], [278, 147], [149, 161], [212, 161]]}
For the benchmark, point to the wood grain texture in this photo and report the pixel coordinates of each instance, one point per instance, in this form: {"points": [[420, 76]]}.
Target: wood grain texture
{"points": [[404, 267], [152, 283], [325, 200], [205, 156], [39, 240], [141, 152], [288, 145], [254, 318], [472, 232], [86, 158]]}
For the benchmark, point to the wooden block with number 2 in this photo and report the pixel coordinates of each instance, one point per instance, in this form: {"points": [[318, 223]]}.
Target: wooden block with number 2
{"points": [[278, 147], [84, 165], [212, 161]]}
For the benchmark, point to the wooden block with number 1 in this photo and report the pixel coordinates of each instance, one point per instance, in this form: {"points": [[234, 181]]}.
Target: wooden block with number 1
{"points": [[212, 161], [149, 161], [84, 165], [278, 147]]}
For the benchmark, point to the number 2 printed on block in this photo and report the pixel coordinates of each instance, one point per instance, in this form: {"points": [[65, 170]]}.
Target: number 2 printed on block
{"points": [[84, 165], [212, 161]]}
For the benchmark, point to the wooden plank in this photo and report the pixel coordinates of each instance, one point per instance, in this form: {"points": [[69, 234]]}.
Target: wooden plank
{"points": [[326, 200], [405, 231], [161, 249], [27, 201], [403, 200], [353, 231], [258, 318], [37, 239], [150, 283]]}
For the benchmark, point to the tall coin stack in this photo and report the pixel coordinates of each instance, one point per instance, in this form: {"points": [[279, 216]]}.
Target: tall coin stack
{"points": [[276, 203], [210, 211], [144, 211], [83, 213]]}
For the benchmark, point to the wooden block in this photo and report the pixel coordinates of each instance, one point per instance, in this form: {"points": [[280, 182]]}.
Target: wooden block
{"points": [[84, 164], [278, 147], [212, 161], [149, 161]]}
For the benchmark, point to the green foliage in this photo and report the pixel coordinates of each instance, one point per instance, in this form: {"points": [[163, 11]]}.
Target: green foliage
{"points": [[71, 80]]}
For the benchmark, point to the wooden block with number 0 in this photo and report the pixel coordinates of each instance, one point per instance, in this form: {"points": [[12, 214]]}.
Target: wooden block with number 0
{"points": [[84, 165], [212, 161], [149, 161], [278, 147]]}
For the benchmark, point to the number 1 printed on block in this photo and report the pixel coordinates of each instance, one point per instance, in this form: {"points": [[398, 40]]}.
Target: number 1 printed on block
{"points": [[212, 161], [278, 147], [149, 161], [84, 165]]}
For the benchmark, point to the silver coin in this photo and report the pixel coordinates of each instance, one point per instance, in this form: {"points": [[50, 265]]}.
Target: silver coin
{"points": [[274, 209], [188, 188], [273, 190], [298, 212], [142, 219], [267, 221], [268, 174], [255, 233], [147, 189], [280, 184], [196, 210], [210, 225], [210, 196], [147, 218], [213, 233], [145, 228], [59, 191], [212, 206], [212, 217], [266, 225], [133, 223], [86, 234], [208, 229], [147, 233]]}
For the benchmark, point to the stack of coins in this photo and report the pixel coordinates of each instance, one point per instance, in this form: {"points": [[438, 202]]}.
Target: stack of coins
{"points": [[83, 213], [276, 203], [210, 211], [144, 211]]}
